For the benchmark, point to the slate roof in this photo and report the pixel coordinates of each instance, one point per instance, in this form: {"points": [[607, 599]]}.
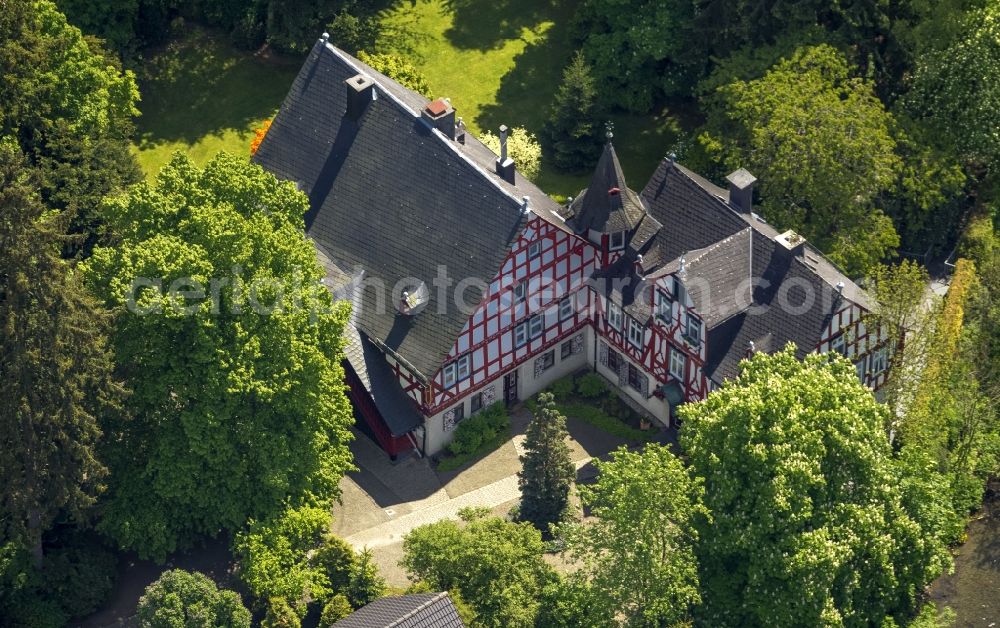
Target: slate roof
{"points": [[607, 205], [390, 198], [420, 610]]}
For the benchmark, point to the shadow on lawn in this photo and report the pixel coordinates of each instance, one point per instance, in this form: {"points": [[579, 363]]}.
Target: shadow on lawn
{"points": [[485, 24], [199, 85]]}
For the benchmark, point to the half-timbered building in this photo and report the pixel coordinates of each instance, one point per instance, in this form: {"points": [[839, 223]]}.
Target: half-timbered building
{"points": [[470, 286]]}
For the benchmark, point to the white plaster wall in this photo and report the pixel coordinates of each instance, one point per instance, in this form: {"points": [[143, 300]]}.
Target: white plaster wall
{"points": [[659, 408]]}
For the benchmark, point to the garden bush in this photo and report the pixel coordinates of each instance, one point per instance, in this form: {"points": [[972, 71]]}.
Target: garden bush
{"points": [[80, 576], [563, 388], [591, 386], [481, 428]]}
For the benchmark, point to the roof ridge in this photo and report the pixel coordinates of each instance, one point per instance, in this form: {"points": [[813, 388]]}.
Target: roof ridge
{"points": [[413, 612]]}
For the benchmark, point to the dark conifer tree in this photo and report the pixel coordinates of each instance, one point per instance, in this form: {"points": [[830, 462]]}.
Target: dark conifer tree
{"points": [[547, 471], [571, 134]]}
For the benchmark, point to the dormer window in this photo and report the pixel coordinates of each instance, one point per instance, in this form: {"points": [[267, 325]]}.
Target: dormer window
{"points": [[617, 241]]}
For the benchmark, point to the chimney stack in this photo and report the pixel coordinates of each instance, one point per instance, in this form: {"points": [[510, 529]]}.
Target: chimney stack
{"points": [[360, 92], [505, 165], [440, 115], [741, 190]]}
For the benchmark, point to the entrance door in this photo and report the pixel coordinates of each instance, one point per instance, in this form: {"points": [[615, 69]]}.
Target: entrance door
{"points": [[510, 387]]}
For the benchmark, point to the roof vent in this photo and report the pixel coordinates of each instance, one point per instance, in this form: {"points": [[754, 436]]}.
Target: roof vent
{"points": [[505, 165], [791, 241], [360, 92], [441, 115], [741, 190], [413, 300]]}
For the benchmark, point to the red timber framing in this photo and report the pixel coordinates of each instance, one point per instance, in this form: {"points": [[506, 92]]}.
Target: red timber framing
{"points": [[393, 445], [869, 351]]}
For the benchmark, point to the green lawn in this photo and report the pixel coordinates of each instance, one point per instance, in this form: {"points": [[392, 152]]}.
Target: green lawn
{"points": [[200, 95], [500, 62]]}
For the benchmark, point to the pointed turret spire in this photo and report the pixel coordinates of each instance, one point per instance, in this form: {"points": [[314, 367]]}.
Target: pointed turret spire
{"points": [[608, 204]]}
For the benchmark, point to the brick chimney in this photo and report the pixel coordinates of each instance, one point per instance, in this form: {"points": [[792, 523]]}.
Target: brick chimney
{"points": [[440, 115]]}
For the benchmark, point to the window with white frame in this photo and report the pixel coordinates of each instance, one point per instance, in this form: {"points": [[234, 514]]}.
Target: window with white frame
{"points": [[457, 370], [678, 290], [839, 344], [520, 291], [663, 303], [634, 332], [534, 249], [879, 361], [566, 308], [677, 363], [693, 330], [862, 368], [617, 241], [614, 315], [528, 329]]}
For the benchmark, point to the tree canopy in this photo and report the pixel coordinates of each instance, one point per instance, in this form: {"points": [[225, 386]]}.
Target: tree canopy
{"points": [[232, 348], [808, 524], [56, 376], [638, 557], [184, 599], [821, 144], [547, 472], [495, 564]]}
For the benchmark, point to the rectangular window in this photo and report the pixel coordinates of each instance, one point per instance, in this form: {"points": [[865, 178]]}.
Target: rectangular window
{"points": [[614, 360], [693, 331], [477, 403], [529, 329], [636, 379], [862, 367], [879, 360], [566, 308], [457, 370], [839, 344], [520, 291], [565, 349], [634, 332], [459, 411], [663, 305], [617, 241], [677, 362], [534, 249], [546, 361], [678, 289], [614, 315]]}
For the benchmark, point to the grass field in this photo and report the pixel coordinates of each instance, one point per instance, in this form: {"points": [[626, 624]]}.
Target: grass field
{"points": [[499, 61], [200, 95]]}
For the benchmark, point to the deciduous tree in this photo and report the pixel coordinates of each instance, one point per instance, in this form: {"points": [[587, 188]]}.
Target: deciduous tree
{"points": [[232, 347], [495, 564], [184, 599], [820, 143], [808, 524], [638, 555], [522, 147]]}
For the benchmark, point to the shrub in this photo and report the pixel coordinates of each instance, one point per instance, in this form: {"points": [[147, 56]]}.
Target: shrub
{"points": [[280, 614], [481, 428], [183, 598], [80, 577], [336, 609], [398, 69], [979, 240], [563, 388], [522, 147], [591, 386], [336, 559]]}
